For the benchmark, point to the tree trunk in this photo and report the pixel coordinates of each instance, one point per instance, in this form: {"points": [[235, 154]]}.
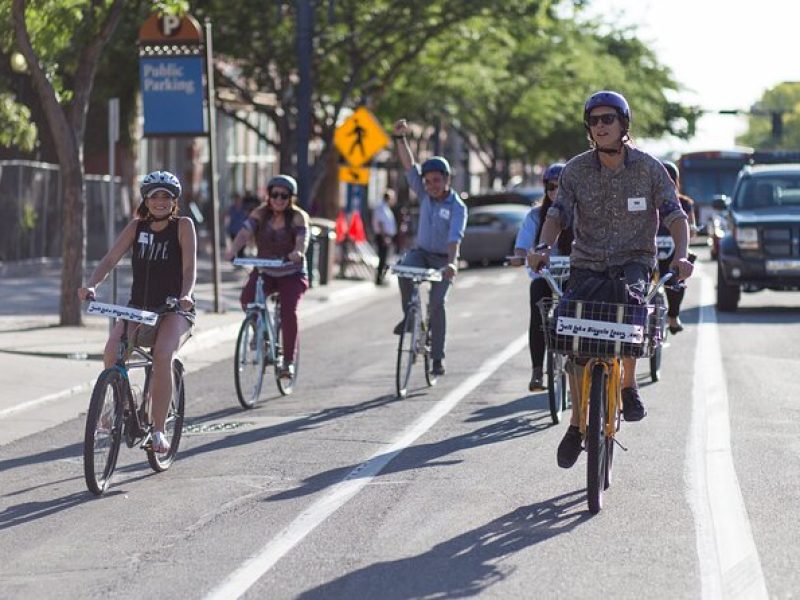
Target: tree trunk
{"points": [[74, 242]]}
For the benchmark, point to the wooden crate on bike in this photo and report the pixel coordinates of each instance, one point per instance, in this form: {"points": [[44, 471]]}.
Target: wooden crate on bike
{"points": [[588, 328]]}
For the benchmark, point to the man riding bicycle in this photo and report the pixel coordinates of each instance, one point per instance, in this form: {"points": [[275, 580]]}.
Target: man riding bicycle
{"points": [[442, 220], [613, 197]]}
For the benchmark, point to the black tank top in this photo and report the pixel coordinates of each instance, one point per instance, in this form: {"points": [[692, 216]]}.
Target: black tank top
{"points": [[157, 265]]}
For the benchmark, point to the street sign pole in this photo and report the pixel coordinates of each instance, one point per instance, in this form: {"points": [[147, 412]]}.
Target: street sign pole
{"points": [[212, 164], [305, 17], [113, 138]]}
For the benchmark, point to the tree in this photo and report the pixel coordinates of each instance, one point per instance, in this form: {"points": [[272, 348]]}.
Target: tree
{"points": [[42, 32], [774, 121], [359, 50]]}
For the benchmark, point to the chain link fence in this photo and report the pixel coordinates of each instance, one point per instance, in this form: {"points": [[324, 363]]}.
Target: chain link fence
{"points": [[30, 211]]}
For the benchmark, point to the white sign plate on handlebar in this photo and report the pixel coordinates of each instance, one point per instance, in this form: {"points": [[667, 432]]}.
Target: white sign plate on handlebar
{"points": [[559, 262], [261, 263], [600, 330], [429, 274], [117, 311]]}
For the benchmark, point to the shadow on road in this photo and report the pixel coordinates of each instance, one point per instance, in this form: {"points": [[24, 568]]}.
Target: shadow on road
{"points": [[465, 565]]}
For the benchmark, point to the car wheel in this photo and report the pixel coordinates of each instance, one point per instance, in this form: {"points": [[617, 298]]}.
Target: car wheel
{"points": [[727, 294]]}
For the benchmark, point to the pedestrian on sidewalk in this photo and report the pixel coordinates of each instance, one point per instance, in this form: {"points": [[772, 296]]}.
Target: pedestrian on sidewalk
{"points": [[280, 230], [442, 220], [235, 217], [164, 264], [384, 227]]}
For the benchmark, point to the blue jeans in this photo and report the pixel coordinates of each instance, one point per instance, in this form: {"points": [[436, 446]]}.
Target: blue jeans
{"points": [[437, 298]]}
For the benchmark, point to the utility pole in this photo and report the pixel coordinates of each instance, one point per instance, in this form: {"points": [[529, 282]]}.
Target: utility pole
{"points": [[305, 27]]}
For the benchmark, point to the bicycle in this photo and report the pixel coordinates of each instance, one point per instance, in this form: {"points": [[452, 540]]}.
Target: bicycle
{"points": [[260, 341], [557, 389], [599, 335], [665, 247], [116, 412], [415, 338]]}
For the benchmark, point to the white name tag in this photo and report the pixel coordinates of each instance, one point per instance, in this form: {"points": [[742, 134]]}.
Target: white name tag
{"points": [[635, 204], [444, 213], [144, 237]]}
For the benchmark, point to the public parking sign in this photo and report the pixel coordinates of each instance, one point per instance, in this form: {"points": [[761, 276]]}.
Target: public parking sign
{"points": [[171, 75], [173, 95]]}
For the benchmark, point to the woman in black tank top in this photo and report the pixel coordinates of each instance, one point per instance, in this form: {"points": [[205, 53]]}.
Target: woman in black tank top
{"points": [[164, 257]]}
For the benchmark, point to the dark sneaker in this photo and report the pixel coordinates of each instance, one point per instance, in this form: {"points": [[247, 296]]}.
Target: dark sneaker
{"points": [[675, 325], [537, 380], [632, 406], [570, 447], [287, 371], [438, 368]]}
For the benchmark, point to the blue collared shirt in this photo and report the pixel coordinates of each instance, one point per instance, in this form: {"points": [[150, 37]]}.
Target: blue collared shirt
{"points": [[441, 222]]}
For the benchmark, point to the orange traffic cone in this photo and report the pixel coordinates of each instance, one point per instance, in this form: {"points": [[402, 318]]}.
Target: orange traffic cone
{"points": [[357, 233]]}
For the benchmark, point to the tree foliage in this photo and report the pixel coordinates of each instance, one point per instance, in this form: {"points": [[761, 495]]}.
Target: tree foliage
{"points": [[783, 100]]}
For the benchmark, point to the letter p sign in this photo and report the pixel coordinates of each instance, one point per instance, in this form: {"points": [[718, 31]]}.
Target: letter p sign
{"points": [[170, 25]]}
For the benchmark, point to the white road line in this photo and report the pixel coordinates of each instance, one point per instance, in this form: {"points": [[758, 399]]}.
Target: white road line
{"points": [[238, 582], [729, 562]]}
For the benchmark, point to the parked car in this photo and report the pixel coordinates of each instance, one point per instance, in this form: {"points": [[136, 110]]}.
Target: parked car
{"points": [[522, 198], [491, 232], [761, 245]]}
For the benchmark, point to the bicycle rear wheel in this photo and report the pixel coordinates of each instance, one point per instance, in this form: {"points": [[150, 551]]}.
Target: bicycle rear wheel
{"points": [[406, 351], [249, 361], [429, 376], [556, 385], [173, 427], [596, 446], [104, 430]]}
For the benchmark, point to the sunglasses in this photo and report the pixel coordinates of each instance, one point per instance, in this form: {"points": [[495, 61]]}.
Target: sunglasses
{"points": [[280, 196], [606, 119], [551, 186]]}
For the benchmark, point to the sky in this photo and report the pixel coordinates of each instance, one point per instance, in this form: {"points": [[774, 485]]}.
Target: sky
{"points": [[725, 53]]}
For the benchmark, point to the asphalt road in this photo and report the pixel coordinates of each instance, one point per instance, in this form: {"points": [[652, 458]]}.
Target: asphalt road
{"points": [[343, 491]]}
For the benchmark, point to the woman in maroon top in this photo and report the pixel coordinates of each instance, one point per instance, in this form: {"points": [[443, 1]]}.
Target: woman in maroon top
{"points": [[164, 262], [280, 231]]}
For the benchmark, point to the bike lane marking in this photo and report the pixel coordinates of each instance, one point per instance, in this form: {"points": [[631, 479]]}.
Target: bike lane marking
{"points": [[728, 558], [243, 578]]}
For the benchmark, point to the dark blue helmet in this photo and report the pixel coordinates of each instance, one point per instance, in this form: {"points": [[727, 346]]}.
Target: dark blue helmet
{"points": [[607, 98], [672, 170], [436, 163], [552, 172]]}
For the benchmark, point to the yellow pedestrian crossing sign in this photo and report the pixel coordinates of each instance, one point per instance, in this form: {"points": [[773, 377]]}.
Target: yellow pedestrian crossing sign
{"points": [[360, 137], [356, 175]]}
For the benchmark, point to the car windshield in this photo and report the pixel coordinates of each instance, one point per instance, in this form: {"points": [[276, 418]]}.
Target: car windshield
{"points": [[779, 191]]}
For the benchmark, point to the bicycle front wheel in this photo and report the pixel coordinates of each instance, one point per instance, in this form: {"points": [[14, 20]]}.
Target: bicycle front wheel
{"points": [[406, 351], [556, 385], [173, 427], [249, 361], [104, 430], [286, 384], [596, 446]]}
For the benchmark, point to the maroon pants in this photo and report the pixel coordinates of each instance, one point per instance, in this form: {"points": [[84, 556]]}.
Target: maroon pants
{"points": [[290, 289]]}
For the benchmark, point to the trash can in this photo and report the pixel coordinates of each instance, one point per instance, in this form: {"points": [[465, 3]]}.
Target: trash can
{"points": [[325, 248], [312, 256]]}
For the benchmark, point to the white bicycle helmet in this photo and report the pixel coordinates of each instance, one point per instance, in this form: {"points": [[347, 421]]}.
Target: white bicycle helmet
{"points": [[160, 180]]}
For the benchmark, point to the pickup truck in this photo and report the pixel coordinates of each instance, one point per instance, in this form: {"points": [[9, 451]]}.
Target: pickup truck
{"points": [[761, 246]]}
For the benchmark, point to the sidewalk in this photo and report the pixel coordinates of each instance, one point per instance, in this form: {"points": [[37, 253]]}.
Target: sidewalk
{"points": [[47, 371]]}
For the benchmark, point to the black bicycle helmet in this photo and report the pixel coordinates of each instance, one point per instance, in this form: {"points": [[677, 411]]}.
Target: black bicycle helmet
{"points": [[160, 180], [672, 170], [287, 181], [607, 98]]}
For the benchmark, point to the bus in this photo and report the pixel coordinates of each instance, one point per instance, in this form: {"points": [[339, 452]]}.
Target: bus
{"points": [[711, 173]]}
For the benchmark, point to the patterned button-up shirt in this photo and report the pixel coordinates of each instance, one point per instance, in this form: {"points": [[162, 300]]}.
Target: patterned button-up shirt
{"points": [[615, 214]]}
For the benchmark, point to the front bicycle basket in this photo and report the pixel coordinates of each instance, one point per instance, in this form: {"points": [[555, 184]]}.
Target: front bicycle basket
{"points": [[587, 328]]}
